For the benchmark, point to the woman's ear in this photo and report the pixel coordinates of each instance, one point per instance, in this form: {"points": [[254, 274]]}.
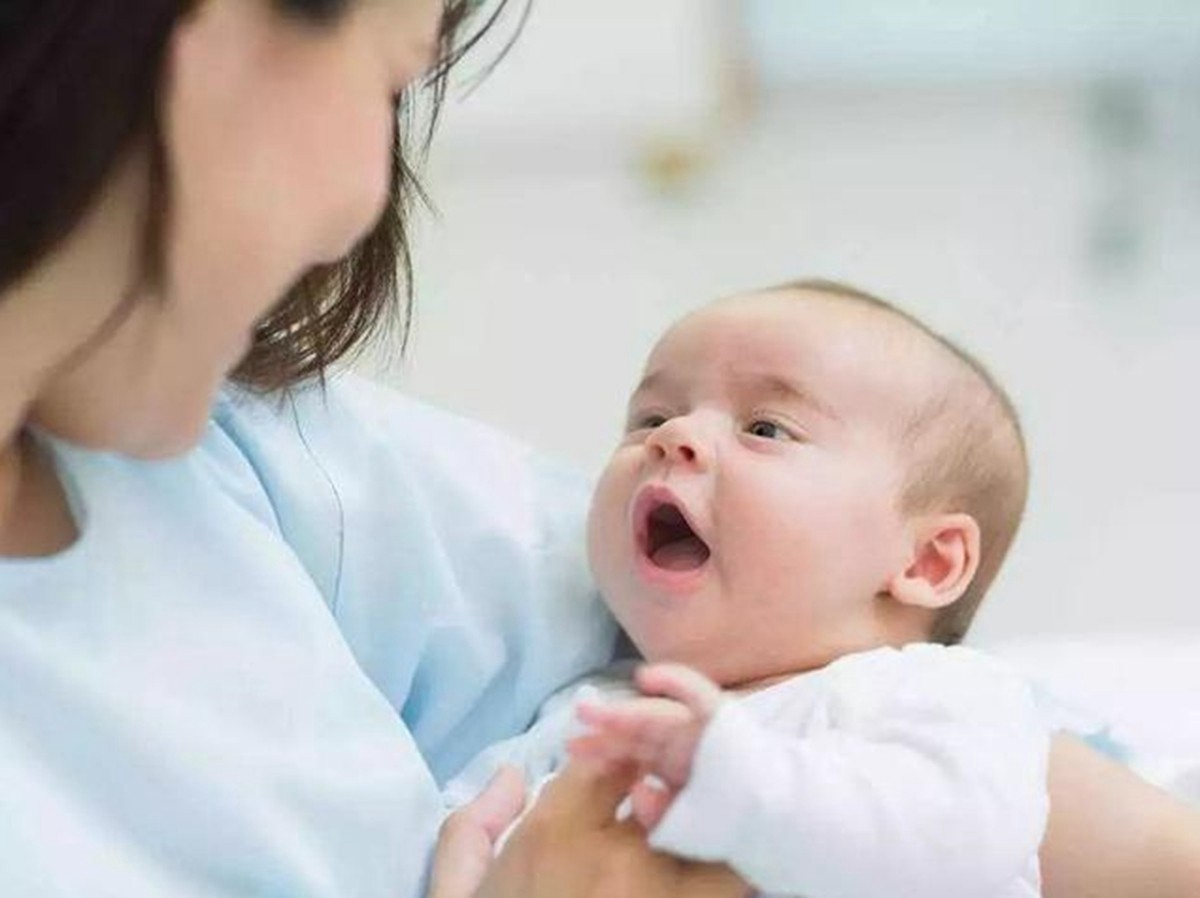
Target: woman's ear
{"points": [[943, 562]]}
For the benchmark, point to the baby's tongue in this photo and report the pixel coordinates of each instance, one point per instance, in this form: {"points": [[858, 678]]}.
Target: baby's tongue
{"points": [[681, 555]]}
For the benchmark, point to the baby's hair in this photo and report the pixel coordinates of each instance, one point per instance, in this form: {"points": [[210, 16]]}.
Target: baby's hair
{"points": [[965, 448]]}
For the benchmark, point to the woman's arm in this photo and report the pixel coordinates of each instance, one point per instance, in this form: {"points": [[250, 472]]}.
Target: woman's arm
{"points": [[1112, 835]]}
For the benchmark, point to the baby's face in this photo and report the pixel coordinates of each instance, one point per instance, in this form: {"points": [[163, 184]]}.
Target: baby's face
{"points": [[748, 522]]}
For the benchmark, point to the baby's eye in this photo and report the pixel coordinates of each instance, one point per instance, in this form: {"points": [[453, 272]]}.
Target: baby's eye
{"points": [[768, 430], [648, 421]]}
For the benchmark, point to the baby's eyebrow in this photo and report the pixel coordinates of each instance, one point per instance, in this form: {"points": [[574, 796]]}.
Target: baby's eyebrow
{"points": [[654, 380], [774, 386], [788, 390]]}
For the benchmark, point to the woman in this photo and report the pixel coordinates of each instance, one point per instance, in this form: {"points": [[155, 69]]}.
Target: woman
{"points": [[244, 632]]}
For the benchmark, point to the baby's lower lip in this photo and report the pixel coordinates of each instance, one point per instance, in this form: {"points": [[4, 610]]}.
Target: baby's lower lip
{"points": [[674, 582]]}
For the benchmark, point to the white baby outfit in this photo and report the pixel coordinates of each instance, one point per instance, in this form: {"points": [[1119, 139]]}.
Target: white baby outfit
{"points": [[910, 773]]}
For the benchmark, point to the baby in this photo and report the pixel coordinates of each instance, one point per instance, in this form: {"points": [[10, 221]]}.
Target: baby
{"points": [[813, 493]]}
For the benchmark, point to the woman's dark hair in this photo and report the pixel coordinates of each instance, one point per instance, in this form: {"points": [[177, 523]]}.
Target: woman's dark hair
{"points": [[79, 84]]}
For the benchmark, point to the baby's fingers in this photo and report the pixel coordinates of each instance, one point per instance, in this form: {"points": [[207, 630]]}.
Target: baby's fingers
{"points": [[683, 684], [637, 730], [650, 802], [599, 750], [636, 716], [607, 748]]}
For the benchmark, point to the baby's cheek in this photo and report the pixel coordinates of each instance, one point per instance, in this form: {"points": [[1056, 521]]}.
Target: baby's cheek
{"points": [[608, 536]]}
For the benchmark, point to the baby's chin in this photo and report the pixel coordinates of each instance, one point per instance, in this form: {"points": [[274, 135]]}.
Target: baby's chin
{"points": [[732, 669], [712, 664]]}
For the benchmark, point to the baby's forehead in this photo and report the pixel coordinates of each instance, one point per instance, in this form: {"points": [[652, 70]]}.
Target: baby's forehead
{"points": [[794, 326], [867, 358]]}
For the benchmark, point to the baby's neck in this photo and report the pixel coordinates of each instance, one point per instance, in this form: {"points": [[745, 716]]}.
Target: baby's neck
{"points": [[762, 683], [822, 660]]}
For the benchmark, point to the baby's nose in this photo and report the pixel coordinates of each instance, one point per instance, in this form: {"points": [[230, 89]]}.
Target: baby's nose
{"points": [[678, 441]]}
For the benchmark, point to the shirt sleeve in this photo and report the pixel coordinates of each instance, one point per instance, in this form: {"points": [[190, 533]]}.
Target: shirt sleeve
{"points": [[932, 784], [451, 556]]}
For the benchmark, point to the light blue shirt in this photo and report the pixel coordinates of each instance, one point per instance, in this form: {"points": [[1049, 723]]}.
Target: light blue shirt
{"points": [[258, 663]]}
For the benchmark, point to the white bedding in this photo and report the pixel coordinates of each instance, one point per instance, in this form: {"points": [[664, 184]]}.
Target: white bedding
{"points": [[1137, 695]]}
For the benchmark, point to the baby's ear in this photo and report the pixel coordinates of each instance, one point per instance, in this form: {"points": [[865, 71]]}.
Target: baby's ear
{"points": [[944, 559]]}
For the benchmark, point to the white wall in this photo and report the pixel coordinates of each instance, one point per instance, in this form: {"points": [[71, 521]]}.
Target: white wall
{"points": [[546, 279], [948, 40]]}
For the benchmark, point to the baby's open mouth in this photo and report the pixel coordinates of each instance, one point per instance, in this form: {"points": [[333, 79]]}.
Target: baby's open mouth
{"points": [[670, 541]]}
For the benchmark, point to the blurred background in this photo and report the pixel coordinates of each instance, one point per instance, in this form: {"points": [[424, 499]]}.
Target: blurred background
{"points": [[1023, 174]]}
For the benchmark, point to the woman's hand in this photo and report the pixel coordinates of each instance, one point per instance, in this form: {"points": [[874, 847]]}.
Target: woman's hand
{"points": [[468, 837], [571, 846]]}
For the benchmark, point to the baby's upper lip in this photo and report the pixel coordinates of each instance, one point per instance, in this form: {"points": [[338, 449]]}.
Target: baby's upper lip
{"points": [[654, 496]]}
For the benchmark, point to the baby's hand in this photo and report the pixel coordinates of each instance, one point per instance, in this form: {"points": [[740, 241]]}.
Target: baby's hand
{"points": [[659, 732]]}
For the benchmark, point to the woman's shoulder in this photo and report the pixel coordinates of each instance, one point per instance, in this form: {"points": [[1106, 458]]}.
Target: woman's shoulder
{"points": [[347, 439], [353, 471], [350, 418], [345, 409], [451, 554]]}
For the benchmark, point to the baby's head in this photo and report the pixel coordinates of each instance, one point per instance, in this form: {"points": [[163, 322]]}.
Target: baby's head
{"points": [[806, 472]]}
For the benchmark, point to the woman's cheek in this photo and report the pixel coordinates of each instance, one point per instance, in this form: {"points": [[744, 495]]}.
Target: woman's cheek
{"points": [[359, 169]]}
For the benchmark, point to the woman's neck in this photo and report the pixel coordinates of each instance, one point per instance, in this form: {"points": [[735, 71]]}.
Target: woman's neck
{"points": [[35, 518], [45, 319], [11, 462], [35, 514]]}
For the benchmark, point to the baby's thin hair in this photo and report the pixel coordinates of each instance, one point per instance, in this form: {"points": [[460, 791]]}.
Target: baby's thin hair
{"points": [[966, 449]]}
